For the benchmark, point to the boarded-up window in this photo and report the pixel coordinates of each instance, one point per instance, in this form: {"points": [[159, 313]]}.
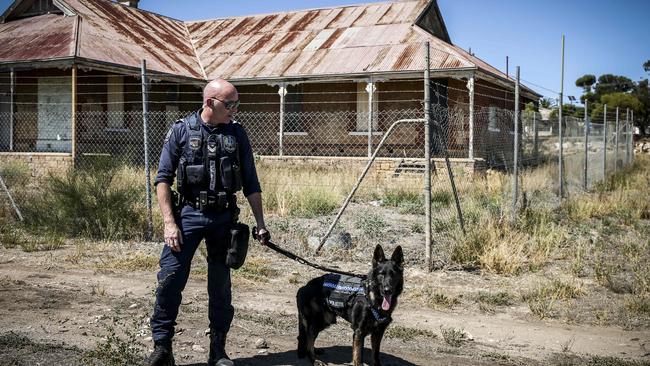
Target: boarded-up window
{"points": [[293, 117], [54, 114], [493, 121], [362, 109], [115, 91]]}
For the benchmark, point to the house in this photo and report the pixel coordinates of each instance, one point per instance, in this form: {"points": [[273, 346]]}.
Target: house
{"points": [[321, 82]]}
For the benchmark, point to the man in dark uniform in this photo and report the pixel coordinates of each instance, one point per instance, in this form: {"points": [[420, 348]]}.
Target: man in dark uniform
{"points": [[211, 157]]}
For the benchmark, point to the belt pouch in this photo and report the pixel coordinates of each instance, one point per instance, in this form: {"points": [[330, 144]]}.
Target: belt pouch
{"points": [[239, 236]]}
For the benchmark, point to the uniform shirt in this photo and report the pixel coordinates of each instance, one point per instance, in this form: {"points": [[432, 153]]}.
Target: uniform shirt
{"points": [[177, 138]]}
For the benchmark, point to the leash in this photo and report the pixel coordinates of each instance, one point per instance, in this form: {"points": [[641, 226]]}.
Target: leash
{"points": [[288, 254]]}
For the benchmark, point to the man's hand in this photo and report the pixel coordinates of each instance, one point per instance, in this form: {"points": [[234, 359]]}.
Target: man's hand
{"points": [[173, 237], [263, 235]]}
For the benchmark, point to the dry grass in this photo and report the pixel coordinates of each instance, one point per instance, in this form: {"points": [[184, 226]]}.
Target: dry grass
{"points": [[433, 299], [314, 190], [130, 262], [543, 299], [408, 334], [452, 336], [256, 270]]}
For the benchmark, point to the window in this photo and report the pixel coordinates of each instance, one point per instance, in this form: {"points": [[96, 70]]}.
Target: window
{"points": [[493, 125], [363, 110], [294, 123], [115, 115]]}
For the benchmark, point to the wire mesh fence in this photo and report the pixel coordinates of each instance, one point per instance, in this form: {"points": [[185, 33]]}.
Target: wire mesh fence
{"points": [[325, 150]]}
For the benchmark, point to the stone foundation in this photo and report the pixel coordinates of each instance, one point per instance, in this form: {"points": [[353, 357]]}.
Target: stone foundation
{"points": [[387, 166], [39, 164]]}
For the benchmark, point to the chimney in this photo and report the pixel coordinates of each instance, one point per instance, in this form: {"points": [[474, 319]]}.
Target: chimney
{"points": [[131, 3]]}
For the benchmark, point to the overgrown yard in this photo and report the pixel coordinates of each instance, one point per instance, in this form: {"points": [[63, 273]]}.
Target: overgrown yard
{"points": [[560, 283]]}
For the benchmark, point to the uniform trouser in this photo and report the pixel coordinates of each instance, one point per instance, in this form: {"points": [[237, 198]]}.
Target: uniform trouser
{"points": [[175, 269]]}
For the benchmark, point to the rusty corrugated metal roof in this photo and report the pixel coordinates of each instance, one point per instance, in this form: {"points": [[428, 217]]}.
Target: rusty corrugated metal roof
{"points": [[44, 37], [358, 39], [123, 35], [370, 38]]}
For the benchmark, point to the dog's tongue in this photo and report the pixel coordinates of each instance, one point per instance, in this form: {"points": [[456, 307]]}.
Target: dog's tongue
{"points": [[386, 303]]}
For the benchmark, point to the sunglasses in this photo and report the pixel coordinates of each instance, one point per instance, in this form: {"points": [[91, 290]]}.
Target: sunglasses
{"points": [[229, 105]]}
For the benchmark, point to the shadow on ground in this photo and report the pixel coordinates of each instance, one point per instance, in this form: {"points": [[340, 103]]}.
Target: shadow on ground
{"points": [[337, 355]]}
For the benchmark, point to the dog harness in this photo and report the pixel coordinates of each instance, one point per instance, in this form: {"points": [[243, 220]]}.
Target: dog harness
{"points": [[341, 290]]}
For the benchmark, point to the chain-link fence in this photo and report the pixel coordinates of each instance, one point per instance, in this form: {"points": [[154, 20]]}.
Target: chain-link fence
{"points": [[330, 147]]}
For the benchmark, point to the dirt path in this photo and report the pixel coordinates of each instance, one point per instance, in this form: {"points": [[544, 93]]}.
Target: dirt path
{"points": [[47, 300]]}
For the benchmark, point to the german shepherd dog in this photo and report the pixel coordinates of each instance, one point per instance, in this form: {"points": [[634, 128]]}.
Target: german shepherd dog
{"points": [[366, 303]]}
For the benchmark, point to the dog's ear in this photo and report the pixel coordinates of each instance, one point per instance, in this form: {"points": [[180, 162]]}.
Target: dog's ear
{"points": [[379, 256], [398, 256]]}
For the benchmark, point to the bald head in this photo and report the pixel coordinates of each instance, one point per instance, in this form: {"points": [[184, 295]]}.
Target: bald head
{"points": [[218, 88], [220, 101]]}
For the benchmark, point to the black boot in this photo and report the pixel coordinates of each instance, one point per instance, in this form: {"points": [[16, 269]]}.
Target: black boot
{"points": [[162, 354], [218, 356]]}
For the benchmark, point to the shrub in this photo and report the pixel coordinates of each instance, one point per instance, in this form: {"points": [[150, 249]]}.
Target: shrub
{"points": [[314, 202], [90, 202]]}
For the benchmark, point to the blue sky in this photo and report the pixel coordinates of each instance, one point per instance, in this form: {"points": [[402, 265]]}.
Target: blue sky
{"points": [[602, 36]]}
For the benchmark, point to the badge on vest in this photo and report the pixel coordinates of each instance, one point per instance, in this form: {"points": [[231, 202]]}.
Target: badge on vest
{"points": [[229, 144], [195, 143]]}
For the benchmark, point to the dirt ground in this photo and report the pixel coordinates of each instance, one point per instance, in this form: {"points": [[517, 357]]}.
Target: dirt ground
{"points": [[89, 303]]}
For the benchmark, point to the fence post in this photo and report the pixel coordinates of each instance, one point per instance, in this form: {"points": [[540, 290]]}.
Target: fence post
{"points": [[631, 146], [470, 85], [585, 182], [12, 91], [628, 135], [515, 160], [561, 159], [73, 119], [427, 158], [618, 131], [535, 138], [282, 91], [605, 141], [145, 125], [370, 88]]}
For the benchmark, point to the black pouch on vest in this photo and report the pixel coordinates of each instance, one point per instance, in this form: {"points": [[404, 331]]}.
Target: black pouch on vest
{"points": [[239, 235], [180, 176], [194, 174], [230, 177]]}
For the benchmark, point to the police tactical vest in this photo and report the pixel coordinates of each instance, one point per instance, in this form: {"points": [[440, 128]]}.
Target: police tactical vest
{"points": [[341, 291], [209, 164]]}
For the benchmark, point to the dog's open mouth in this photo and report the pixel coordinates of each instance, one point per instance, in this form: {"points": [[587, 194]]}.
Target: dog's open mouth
{"points": [[385, 305]]}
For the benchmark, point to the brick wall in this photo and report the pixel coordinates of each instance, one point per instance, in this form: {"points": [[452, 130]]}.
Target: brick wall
{"points": [[381, 166], [39, 164]]}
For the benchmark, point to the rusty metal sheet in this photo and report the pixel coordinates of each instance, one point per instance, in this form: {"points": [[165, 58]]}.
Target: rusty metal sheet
{"points": [[123, 35], [378, 38], [44, 37], [353, 39]]}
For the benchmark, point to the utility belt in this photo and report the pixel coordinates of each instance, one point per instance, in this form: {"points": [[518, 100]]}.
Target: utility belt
{"points": [[239, 233], [205, 202]]}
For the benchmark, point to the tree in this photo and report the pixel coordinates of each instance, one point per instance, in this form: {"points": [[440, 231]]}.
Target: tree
{"points": [[609, 83], [585, 82], [530, 110], [642, 92], [568, 110], [613, 100], [646, 66], [546, 102], [589, 97]]}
